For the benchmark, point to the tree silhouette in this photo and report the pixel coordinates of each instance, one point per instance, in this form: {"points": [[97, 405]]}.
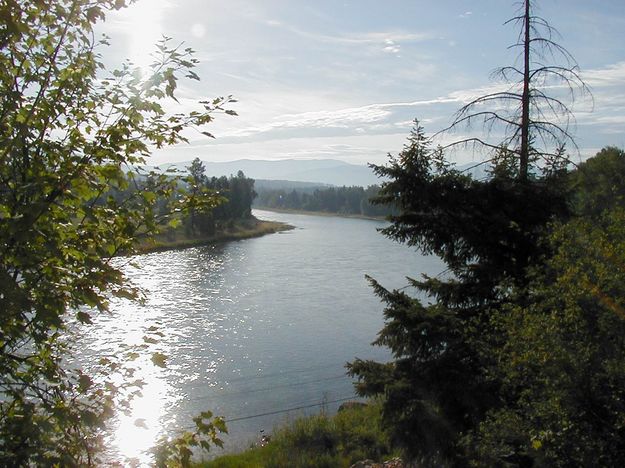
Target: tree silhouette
{"points": [[535, 122], [444, 381]]}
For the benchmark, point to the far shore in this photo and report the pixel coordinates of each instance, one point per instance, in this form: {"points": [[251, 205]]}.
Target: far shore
{"points": [[320, 213], [243, 229]]}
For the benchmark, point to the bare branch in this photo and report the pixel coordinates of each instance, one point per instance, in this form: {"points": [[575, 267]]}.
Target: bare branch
{"points": [[472, 140], [533, 121]]}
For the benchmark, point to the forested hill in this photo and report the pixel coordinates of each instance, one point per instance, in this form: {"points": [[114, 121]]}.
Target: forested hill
{"points": [[345, 200]]}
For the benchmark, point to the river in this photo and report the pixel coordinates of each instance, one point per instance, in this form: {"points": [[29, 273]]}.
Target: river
{"points": [[248, 328]]}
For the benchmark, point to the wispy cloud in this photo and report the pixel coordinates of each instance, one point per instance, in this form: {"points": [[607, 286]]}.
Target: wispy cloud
{"points": [[373, 116], [391, 47], [367, 38], [382, 38], [388, 117], [612, 75]]}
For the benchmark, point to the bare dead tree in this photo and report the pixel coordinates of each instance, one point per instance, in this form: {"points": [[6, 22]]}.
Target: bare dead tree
{"points": [[534, 111]]}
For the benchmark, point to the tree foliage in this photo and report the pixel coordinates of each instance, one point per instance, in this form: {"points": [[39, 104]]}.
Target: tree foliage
{"points": [[598, 184], [201, 201], [562, 361], [517, 357], [69, 132], [239, 194], [213, 202], [178, 451]]}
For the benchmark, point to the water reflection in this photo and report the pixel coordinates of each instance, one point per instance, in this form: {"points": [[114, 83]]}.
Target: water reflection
{"points": [[131, 335], [138, 431]]}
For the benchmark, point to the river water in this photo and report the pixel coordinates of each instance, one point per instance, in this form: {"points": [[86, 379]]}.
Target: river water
{"points": [[249, 328]]}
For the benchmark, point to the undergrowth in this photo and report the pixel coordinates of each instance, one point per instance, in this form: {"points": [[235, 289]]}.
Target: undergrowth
{"points": [[318, 441]]}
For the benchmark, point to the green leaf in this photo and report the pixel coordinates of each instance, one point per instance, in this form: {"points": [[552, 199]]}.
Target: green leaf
{"points": [[132, 356], [159, 359], [84, 383], [220, 425], [83, 317], [70, 129]]}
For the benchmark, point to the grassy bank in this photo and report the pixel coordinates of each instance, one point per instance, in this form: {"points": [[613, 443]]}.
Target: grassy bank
{"points": [[318, 441], [320, 213], [236, 230]]}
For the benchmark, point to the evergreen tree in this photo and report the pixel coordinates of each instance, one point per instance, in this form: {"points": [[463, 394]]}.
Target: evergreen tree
{"points": [[196, 182], [438, 386], [242, 195]]}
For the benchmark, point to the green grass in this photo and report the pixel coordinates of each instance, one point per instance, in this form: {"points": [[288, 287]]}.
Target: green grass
{"points": [[318, 441], [322, 213]]}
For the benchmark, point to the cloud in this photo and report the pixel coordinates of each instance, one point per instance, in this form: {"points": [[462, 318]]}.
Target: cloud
{"points": [[358, 149], [607, 85], [343, 118], [598, 79], [611, 75], [613, 119], [390, 38], [356, 119], [391, 47], [324, 117], [198, 30]]}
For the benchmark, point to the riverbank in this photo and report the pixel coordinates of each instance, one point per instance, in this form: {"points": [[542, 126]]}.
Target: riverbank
{"points": [[320, 213], [237, 230], [352, 435]]}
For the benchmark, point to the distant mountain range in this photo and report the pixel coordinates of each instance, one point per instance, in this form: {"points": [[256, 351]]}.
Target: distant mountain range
{"points": [[265, 184], [316, 171], [307, 172]]}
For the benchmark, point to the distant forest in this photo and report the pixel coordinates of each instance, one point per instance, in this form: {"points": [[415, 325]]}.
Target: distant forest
{"points": [[229, 199], [341, 200], [200, 206]]}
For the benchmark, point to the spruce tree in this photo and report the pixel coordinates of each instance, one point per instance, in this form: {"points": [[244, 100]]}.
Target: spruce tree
{"points": [[438, 386]]}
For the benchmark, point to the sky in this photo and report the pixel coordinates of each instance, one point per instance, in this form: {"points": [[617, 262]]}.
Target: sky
{"points": [[346, 79]]}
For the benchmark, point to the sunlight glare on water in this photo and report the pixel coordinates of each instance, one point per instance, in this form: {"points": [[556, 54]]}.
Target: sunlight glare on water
{"points": [[139, 431], [135, 332]]}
